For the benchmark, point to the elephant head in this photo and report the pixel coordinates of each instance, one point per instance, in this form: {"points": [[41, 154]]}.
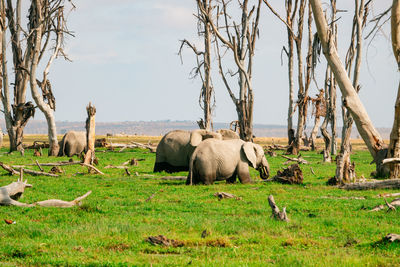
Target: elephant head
{"points": [[255, 155], [228, 134], [197, 136]]}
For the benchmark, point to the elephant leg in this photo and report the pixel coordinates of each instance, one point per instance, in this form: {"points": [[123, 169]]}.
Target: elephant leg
{"points": [[232, 179], [165, 166], [244, 176]]}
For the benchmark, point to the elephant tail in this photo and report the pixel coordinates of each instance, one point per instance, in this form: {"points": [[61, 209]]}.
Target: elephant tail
{"points": [[189, 180], [62, 148]]}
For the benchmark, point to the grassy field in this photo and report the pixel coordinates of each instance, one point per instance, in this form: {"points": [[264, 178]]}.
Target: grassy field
{"points": [[328, 226]]}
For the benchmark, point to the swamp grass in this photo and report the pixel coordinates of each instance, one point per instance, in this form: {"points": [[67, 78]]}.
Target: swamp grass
{"points": [[327, 227]]}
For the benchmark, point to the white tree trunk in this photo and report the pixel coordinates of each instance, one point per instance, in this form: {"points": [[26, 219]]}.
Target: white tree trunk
{"points": [[364, 125]]}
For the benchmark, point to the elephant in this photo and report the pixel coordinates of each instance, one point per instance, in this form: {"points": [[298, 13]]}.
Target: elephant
{"points": [[216, 160], [72, 143], [176, 147], [228, 134]]}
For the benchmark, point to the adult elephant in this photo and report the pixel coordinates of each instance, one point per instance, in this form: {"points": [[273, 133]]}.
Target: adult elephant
{"points": [[216, 160], [72, 143], [176, 147]]}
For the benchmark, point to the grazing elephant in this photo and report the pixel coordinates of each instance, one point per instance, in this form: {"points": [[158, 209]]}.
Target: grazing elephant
{"points": [[72, 143], [176, 147], [216, 160], [228, 134]]}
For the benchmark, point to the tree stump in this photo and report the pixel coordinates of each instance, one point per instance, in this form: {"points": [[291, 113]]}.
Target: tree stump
{"points": [[90, 134], [290, 175]]}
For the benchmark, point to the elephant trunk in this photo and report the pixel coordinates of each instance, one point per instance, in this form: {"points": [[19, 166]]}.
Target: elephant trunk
{"points": [[264, 172]]}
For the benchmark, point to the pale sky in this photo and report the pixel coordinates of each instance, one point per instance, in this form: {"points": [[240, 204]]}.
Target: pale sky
{"points": [[125, 61]]}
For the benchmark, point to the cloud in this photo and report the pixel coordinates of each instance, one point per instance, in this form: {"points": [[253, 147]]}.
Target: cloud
{"points": [[175, 16]]}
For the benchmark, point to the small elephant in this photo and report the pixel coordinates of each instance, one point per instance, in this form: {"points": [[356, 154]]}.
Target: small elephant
{"points": [[216, 160], [72, 143], [176, 147]]}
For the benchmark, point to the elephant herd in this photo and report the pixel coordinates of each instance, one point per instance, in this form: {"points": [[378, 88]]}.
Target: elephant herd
{"points": [[210, 156]]}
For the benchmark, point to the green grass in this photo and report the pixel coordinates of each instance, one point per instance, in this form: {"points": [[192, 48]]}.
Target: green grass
{"points": [[111, 226]]}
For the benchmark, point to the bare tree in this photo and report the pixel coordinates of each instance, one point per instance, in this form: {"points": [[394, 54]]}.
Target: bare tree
{"points": [[304, 76], [394, 146], [352, 64], [239, 39], [203, 60], [329, 109], [319, 110], [29, 47], [351, 100]]}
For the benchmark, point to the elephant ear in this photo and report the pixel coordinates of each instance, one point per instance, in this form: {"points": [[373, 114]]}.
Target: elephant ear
{"points": [[249, 151], [196, 137]]}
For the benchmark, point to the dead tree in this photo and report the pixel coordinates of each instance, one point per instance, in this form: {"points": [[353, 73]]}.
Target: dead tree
{"points": [[394, 146], [304, 76], [28, 48], [351, 100], [344, 172], [203, 60], [329, 109], [90, 135], [238, 40], [319, 110]]}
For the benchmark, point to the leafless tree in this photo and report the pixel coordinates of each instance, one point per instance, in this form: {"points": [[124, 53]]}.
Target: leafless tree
{"points": [[237, 39], [304, 76], [352, 65], [319, 110], [203, 60], [45, 26], [394, 146], [351, 100]]}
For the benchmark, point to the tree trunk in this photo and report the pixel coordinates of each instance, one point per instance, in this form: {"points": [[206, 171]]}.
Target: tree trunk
{"points": [[90, 134], [364, 125], [207, 87], [290, 72], [314, 132], [394, 146], [333, 120]]}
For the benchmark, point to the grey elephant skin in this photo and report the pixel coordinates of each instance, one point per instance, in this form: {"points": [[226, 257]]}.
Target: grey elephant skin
{"points": [[176, 147], [216, 160], [72, 143]]}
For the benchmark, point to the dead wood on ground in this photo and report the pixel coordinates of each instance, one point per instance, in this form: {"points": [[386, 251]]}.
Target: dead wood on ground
{"points": [[290, 175], [12, 171], [299, 160], [9, 195], [222, 195], [384, 184], [391, 206], [276, 213], [164, 241]]}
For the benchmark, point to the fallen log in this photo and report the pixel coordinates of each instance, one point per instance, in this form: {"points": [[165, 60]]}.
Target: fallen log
{"points": [[299, 160], [221, 195], [39, 166], [389, 195], [92, 168], [391, 206], [9, 195], [115, 167], [164, 241], [51, 164], [131, 145], [392, 238], [384, 184], [12, 171], [276, 213]]}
